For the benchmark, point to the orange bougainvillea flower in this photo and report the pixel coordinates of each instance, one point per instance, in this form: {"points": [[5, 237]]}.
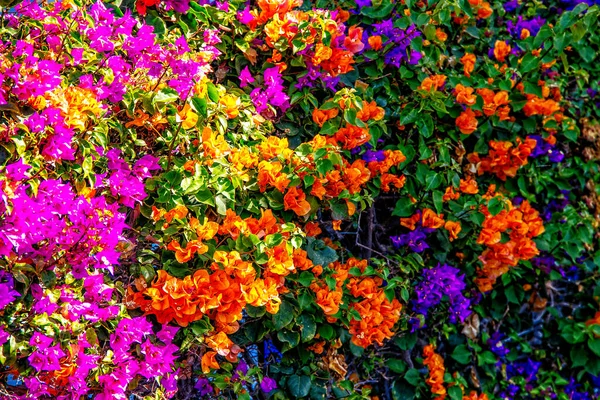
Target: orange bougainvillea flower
{"points": [[468, 186], [501, 50], [321, 116], [504, 159], [411, 222], [435, 364], [431, 219], [453, 229], [352, 136], [370, 111], [375, 42], [450, 194], [464, 95], [466, 122], [468, 61], [473, 396], [231, 105], [209, 362], [353, 40], [295, 200], [521, 224], [433, 82], [595, 320], [312, 229]]}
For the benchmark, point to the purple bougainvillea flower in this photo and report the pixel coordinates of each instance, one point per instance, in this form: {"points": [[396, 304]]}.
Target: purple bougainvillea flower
{"points": [[438, 282], [204, 387], [268, 384]]}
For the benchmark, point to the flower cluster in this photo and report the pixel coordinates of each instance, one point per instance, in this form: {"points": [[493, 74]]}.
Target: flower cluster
{"points": [[520, 223], [435, 364], [438, 282]]}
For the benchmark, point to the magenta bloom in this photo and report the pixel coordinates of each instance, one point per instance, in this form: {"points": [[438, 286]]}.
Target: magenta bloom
{"points": [[268, 384], [246, 77]]}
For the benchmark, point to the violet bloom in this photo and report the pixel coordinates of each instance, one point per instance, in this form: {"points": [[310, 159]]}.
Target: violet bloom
{"points": [[204, 387], [527, 369], [7, 292], [511, 6], [438, 282], [245, 77], [496, 345], [415, 240], [268, 384], [3, 335], [533, 26], [370, 156]]}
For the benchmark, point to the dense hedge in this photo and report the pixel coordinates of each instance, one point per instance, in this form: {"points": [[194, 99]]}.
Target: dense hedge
{"points": [[363, 199]]}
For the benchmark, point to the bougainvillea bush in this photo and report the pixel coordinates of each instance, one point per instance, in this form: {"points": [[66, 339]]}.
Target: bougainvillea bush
{"points": [[361, 199]]}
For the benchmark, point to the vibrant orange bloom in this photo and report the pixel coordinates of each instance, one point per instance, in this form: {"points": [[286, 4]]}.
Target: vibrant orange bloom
{"points": [[389, 179], [375, 42], [468, 61], [328, 300], [466, 122], [301, 260], [157, 214], [521, 224], [232, 225], [273, 147], [280, 260], [464, 95], [318, 347], [485, 10], [473, 396], [504, 159], [450, 194], [435, 364], [322, 53], [501, 50], [441, 35], [296, 200], [312, 229], [185, 254], [179, 212], [431, 219], [453, 229], [370, 111], [434, 82], [411, 222], [595, 320], [321, 116], [352, 136], [353, 40], [378, 314], [209, 362], [468, 186]]}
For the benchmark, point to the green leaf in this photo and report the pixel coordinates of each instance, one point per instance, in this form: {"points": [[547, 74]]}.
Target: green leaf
{"points": [[455, 393], [213, 93], [319, 253], [404, 208], [308, 327], [299, 385], [529, 63], [395, 365], [289, 338], [578, 356], [594, 345], [413, 377], [326, 332], [462, 354], [284, 316]]}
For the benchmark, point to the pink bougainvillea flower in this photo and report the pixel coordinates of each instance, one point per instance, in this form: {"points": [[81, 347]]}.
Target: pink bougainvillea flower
{"points": [[246, 77]]}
